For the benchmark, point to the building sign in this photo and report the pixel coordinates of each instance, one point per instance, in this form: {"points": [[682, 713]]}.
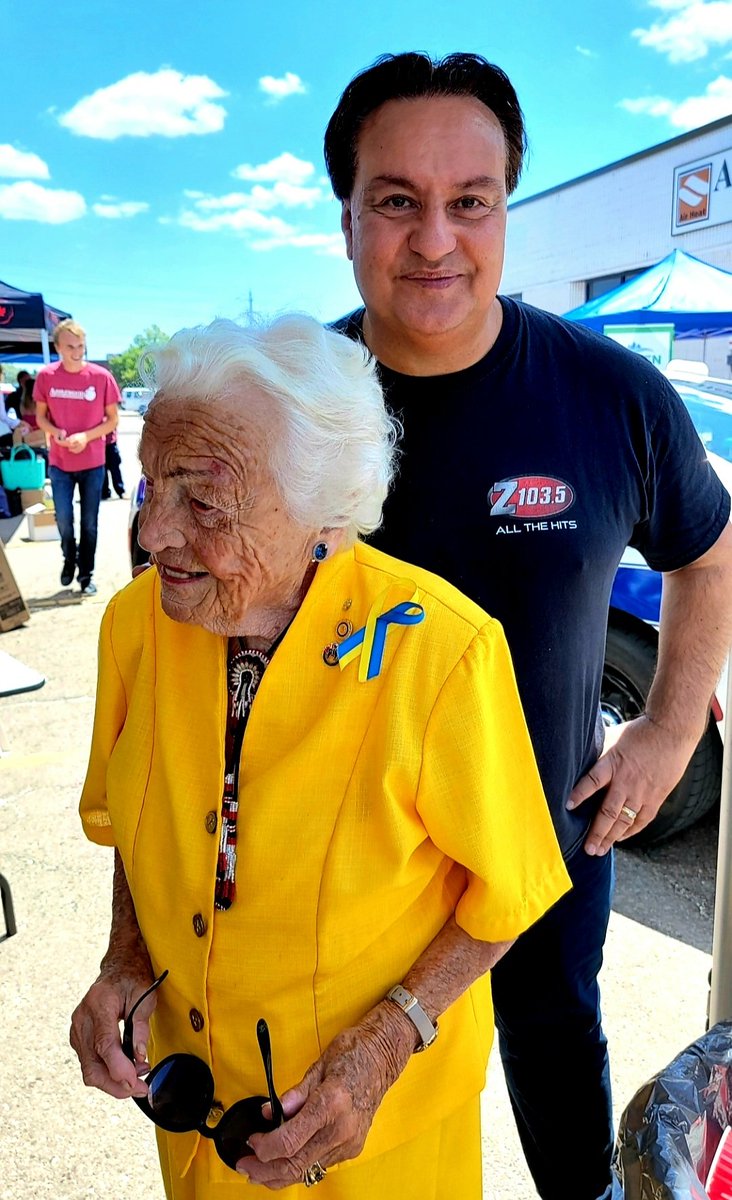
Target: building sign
{"points": [[654, 342], [702, 193]]}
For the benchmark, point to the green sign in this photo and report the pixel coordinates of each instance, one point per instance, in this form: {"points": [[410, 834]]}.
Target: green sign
{"points": [[654, 342]]}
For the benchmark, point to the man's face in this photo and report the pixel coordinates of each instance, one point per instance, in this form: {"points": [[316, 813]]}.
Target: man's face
{"points": [[224, 545], [425, 224], [70, 347]]}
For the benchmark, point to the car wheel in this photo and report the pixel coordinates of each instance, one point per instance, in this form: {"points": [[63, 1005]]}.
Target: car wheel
{"points": [[138, 556], [630, 661]]}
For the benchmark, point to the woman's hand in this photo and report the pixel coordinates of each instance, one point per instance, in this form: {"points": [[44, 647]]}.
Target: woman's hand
{"points": [[329, 1113], [95, 1028]]}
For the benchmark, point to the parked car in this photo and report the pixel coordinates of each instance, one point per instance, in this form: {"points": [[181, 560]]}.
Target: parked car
{"points": [[138, 556], [632, 635], [136, 399], [635, 605]]}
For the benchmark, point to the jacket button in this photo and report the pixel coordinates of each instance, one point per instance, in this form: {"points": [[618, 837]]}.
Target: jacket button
{"points": [[199, 925], [196, 1019], [211, 821]]}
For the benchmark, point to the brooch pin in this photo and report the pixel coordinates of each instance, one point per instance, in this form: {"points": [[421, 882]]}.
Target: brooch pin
{"points": [[368, 643]]}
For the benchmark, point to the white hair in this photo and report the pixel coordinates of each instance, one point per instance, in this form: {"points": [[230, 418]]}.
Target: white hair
{"points": [[336, 456]]}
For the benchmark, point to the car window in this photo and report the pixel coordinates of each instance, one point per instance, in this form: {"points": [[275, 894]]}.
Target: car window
{"points": [[712, 417]]}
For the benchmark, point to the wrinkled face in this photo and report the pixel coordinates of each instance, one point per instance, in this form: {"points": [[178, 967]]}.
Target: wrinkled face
{"points": [[70, 348], [425, 224], [227, 553]]}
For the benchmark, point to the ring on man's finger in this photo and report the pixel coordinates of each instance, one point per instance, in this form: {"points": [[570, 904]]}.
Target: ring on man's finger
{"points": [[629, 813], [313, 1175]]}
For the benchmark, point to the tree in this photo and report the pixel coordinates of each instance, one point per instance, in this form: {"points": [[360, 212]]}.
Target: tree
{"points": [[125, 366]]}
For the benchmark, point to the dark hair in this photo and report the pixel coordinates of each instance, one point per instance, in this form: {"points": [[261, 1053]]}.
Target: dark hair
{"points": [[409, 77], [27, 404]]}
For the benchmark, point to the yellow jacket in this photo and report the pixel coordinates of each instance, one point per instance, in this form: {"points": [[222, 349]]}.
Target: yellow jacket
{"points": [[369, 812]]}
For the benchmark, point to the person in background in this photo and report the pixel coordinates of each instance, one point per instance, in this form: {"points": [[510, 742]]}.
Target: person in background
{"points": [[26, 403], [534, 452], [32, 436], [76, 405], [313, 766], [9, 425], [13, 399], [113, 468]]}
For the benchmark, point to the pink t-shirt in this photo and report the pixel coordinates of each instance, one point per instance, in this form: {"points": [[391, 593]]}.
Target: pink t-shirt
{"points": [[76, 402]]}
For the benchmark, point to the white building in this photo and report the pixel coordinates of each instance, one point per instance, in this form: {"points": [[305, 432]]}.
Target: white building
{"points": [[574, 242]]}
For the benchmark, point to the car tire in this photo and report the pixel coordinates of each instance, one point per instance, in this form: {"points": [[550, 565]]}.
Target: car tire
{"points": [[630, 661], [138, 556]]}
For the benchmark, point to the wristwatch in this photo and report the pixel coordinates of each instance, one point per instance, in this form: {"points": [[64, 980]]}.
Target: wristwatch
{"points": [[412, 1008]]}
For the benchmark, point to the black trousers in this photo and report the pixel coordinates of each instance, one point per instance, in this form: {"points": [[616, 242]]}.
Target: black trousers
{"points": [[113, 467]]}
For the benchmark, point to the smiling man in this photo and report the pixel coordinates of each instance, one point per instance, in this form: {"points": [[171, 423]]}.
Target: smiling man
{"points": [[77, 405], [534, 452]]}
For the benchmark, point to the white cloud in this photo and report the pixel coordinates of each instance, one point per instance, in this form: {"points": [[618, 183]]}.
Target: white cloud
{"points": [[279, 184], [30, 202], [689, 29], [21, 164], [114, 209], [330, 244], [651, 106], [166, 103], [587, 53], [280, 89], [690, 113], [285, 168], [262, 199], [242, 220]]}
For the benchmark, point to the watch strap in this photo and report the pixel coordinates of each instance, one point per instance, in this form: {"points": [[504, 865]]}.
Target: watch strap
{"points": [[412, 1008]]}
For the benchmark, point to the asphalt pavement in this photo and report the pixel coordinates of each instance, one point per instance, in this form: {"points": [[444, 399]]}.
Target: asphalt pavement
{"points": [[61, 1141]]}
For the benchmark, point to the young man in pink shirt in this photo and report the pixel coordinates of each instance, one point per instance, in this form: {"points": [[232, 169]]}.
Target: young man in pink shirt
{"points": [[76, 404]]}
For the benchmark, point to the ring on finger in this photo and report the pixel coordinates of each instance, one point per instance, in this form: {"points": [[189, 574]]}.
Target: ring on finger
{"points": [[629, 813], [313, 1175]]}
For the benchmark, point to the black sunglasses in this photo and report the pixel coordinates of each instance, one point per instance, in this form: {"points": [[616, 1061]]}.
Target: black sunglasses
{"points": [[181, 1093]]}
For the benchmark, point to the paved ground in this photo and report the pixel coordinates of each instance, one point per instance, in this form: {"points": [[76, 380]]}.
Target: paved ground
{"points": [[59, 1141]]}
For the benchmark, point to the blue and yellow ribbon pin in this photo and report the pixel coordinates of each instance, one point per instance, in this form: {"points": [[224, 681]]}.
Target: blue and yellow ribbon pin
{"points": [[368, 642]]}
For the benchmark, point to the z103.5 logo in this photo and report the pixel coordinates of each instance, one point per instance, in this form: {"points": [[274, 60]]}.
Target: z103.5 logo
{"points": [[530, 497]]}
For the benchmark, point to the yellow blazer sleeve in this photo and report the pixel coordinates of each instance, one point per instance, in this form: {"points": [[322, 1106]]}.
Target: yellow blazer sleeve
{"points": [[109, 717], [481, 799]]}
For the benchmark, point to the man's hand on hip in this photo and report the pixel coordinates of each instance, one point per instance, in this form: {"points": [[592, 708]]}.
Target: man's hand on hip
{"points": [[640, 765]]}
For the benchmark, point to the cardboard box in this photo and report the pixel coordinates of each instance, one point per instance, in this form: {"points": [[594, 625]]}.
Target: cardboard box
{"points": [[42, 525], [31, 496], [13, 611]]}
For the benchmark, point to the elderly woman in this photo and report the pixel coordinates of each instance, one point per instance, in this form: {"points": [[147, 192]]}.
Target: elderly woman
{"points": [[312, 763]]}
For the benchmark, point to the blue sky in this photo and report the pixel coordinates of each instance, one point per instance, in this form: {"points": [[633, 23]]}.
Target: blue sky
{"points": [[161, 161]]}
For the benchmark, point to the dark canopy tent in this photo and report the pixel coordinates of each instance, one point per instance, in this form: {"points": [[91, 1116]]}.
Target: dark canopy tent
{"points": [[26, 324], [680, 290]]}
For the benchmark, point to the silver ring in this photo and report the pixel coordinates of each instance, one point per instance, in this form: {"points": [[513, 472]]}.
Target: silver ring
{"points": [[313, 1175], [628, 812]]}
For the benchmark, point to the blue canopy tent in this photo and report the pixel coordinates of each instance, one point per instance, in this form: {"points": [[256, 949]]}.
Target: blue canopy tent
{"points": [[26, 324], [680, 290]]}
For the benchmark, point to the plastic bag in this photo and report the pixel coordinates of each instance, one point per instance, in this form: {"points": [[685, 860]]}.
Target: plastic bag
{"points": [[671, 1129]]}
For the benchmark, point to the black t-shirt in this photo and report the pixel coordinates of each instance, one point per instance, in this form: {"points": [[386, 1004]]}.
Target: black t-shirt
{"points": [[522, 480]]}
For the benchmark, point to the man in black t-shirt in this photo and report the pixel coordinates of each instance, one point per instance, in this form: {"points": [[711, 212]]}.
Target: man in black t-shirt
{"points": [[534, 452]]}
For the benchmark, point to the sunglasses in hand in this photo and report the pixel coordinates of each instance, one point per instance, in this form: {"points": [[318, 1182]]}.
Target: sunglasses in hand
{"points": [[181, 1093]]}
